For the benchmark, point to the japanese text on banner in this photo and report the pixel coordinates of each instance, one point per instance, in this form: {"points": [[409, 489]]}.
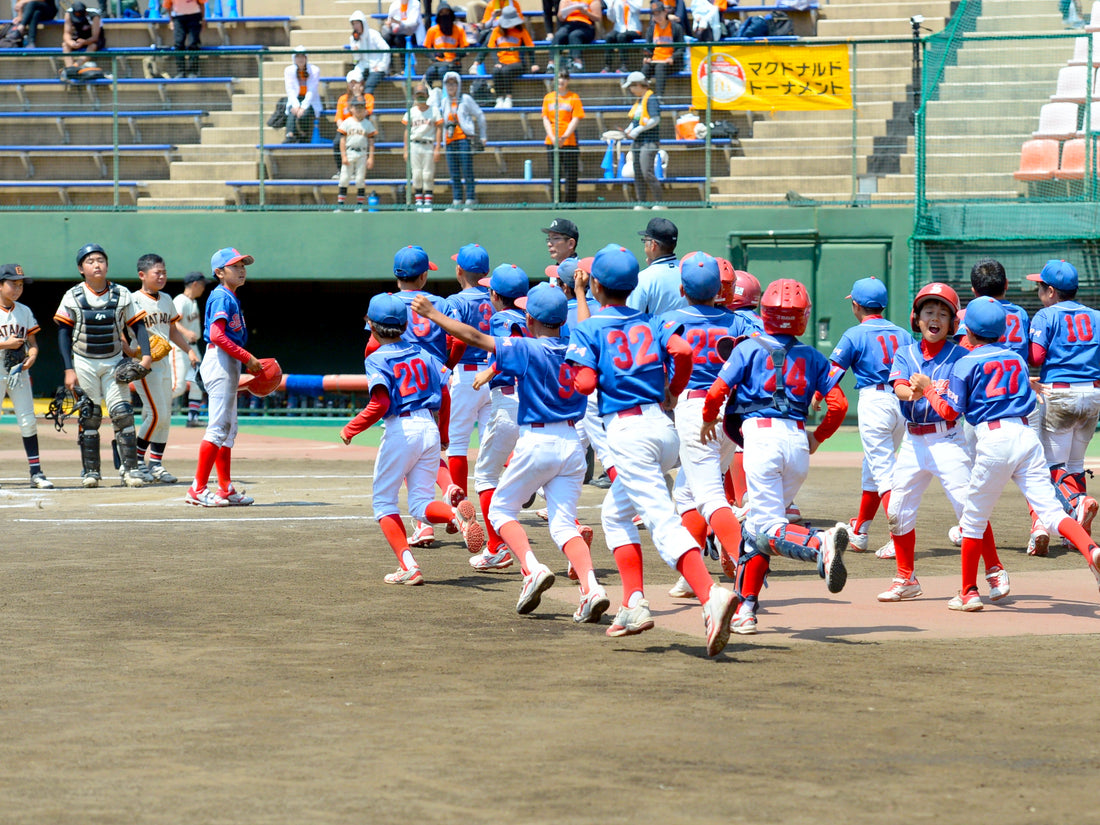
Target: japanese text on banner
{"points": [[765, 78]]}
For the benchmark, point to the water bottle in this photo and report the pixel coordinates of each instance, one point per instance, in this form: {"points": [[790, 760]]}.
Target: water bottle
{"points": [[527, 175], [372, 201]]}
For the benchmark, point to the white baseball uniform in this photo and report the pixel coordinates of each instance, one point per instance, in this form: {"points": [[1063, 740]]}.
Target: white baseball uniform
{"points": [[155, 389], [18, 322], [183, 374]]}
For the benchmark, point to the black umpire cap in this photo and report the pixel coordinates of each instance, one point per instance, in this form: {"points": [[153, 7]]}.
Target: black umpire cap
{"points": [[563, 226]]}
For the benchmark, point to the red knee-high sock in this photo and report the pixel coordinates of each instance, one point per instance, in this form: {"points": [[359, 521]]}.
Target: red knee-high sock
{"points": [[728, 529], [905, 551], [727, 486], [611, 473], [868, 503], [393, 528], [691, 567], [752, 579], [886, 503], [628, 558], [485, 498], [971, 552], [1075, 534], [208, 451], [223, 462], [439, 512], [989, 549], [515, 539], [460, 470], [581, 558], [740, 486], [443, 476], [1034, 516], [695, 524]]}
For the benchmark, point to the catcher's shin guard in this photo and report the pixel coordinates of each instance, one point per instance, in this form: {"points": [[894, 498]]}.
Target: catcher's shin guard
{"points": [[1065, 488], [89, 450], [122, 417], [792, 541]]}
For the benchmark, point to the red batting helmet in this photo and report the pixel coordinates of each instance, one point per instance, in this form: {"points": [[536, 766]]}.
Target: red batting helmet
{"points": [[746, 290], [785, 307], [936, 292], [267, 380]]}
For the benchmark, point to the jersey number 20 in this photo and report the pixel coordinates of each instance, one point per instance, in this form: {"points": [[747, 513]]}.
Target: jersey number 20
{"points": [[413, 376]]}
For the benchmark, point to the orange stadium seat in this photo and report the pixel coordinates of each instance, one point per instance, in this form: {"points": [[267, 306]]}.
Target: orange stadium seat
{"points": [[1073, 160], [1038, 160]]}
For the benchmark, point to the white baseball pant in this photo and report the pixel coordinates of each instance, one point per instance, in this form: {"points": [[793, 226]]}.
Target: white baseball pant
{"points": [[1069, 421], [592, 432], [22, 401], [468, 407], [221, 375], [940, 454], [777, 460], [96, 377], [499, 439], [422, 165], [643, 447], [184, 376], [881, 427], [699, 483], [356, 168], [409, 453], [155, 392], [549, 456]]}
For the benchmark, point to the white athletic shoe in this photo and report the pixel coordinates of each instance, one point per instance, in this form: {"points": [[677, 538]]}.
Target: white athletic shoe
{"points": [[1086, 511], [144, 473], [967, 602], [1094, 565], [488, 562], [743, 622], [717, 614], [535, 583], [236, 499], [89, 479], [886, 551], [638, 522], [466, 521], [204, 498], [411, 577], [834, 542], [1038, 543], [955, 534], [158, 473], [900, 590], [423, 535], [999, 586], [543, 514], [681, 590], [454, 495], [857, 541], [630, 621], [593, 605], [40, 482], [132, 478], [794, 515]]}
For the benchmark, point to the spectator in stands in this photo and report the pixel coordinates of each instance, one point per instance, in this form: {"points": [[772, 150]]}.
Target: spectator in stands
{"points": [[404, 27], [357, 134], [303, 97], [578, 26], [423, 140], [484, 28], [355, 90], [677, 11], [463, 125], [83, 33], [644, 130], [562, 112], [626, 17], [371, 52], [663, 34], [445, 36], [706, 21], [31, 13], [508, 39], [187, 22]]}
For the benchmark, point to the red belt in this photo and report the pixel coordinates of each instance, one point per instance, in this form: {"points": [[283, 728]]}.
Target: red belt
{"points": [[404, 415], [1062, 385], [508, 390], [879, 387], [926, 429], [767, 422], [471, 367], [572, 422], [629, 411], [697, 393], [996, 425]]}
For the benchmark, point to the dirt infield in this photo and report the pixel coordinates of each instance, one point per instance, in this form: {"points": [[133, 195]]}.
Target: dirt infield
{"points": [[164, 664]]}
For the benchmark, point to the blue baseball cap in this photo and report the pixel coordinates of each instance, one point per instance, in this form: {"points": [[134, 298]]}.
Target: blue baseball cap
{"points": [[411, 262], [228, 257], [388, 310], [870, 293], [615, 267], [507, 280], [1058, 274], [985, 317], [566, 269], [700, 276], [545, 303], [472, 258]]}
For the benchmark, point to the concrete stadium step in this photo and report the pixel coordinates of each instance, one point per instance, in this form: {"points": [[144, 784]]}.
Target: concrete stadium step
{"points": [[999, 74], [991, 125], [180, 171], [993, 52], [884, 11], [808, 186], [1010, 90], [775, 129], [956, 144], [174, 190], [966, 186], [979, 160], [890, 27], [805, 146], [224, 154], [774, 167], [1024, 108], [178, 203], [217, 136], [1034, 23]]}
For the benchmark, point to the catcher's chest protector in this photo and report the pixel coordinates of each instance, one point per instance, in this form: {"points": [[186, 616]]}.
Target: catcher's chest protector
{"points": [[96, 334]]}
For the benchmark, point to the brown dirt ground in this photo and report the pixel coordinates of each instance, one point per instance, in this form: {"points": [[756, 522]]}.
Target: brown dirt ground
{"points": [[164, 664]]}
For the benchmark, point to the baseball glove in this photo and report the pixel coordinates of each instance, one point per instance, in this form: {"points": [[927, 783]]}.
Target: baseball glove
{"points": [[14, 357], [158, 347], [129, 370]]}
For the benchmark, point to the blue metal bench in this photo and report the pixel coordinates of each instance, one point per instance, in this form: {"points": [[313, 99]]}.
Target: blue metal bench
{"points": [[130, 118], [99, 153]]}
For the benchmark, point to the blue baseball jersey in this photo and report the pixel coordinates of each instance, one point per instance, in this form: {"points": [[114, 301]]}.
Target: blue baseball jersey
{"points": [[1016, 337], [989, 383], [223, 305], [508, 323], [1070, 333], [750, 374], [472, 307], [571, 317], [629, 352], [751, 319], [544, 381], [420, 330], [411, 375], [868, 348], [909, 360], [703, 326]]}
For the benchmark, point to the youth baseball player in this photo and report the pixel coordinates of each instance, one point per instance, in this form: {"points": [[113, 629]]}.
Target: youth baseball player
{"points": [[548, 453], [1065, 344], [625, 353], [406, 389], [868, 351], [990, 386], [185, 374], [91, 319], [155, 389], [19, 347], [771, 380], [741, 294]]}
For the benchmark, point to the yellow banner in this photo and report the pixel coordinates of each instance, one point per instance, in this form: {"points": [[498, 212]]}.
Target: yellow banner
{"points": [[771, 78]]}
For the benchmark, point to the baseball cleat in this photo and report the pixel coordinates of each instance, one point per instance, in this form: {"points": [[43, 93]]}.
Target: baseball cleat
{"points": [[1094, 565], [40, 482], [681, 590], [543, 514], [158, 473], [411, 577], [593, 605], [144, 473], [886, 551], [204, 498], [488, 562], [89, 479], [968, 602], [454, 495], [901, 590], [717, 614], [423, 535], [794, 515], [466, 521], [1086, 512], [857, 542], [1038, 542], [630, 621], [743, 622], [834, 542], [638, 522], [236, 499], [955, 535], [132, 478], [999, 586], [535, 583]]}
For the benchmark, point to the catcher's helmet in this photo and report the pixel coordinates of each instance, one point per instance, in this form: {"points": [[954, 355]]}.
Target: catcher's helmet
{"points": [[87, 250], [785, 307], [936, 292], [745, 292], [267, 380]]}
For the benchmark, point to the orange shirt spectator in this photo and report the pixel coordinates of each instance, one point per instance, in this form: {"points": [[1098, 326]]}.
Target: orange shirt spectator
{"points": [[507, 43], [562, 110]]}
